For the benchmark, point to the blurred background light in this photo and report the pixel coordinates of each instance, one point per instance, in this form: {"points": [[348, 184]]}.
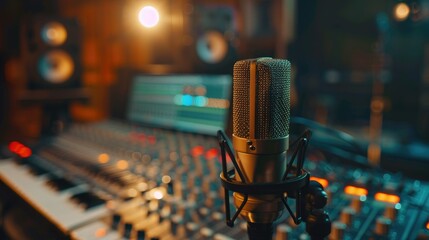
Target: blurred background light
{"points": [[149, 16], [401, 11]]}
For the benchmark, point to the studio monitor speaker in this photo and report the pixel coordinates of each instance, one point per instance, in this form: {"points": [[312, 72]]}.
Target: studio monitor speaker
{"points": [[51, 52], [214, 31]]}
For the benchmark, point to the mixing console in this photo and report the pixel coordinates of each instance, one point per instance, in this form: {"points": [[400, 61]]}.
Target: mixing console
{"points": [[114, 180]]}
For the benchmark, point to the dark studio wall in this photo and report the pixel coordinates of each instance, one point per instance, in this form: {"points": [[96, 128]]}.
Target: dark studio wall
{"points": [[342, 47]]}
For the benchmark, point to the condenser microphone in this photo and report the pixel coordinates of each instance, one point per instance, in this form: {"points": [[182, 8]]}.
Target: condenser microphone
{"points": [[261, 107], [263, 178]]}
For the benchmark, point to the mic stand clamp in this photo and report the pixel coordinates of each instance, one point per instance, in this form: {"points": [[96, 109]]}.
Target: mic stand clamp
{"points": [[318, 224], [309, 195]]}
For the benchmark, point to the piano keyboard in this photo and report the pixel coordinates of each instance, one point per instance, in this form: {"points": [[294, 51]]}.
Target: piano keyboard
{"points": [[65, 205]]}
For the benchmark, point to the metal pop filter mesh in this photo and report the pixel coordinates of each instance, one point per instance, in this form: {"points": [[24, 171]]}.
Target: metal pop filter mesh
{"points": [[272, 110]]}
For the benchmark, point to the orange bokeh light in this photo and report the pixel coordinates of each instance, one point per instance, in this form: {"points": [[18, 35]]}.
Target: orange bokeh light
{"points": [[103, 158], [322, 181], [356, 191], [122, 164], [212, 153], [14, 146], [20, 149], [24, 152], [384, 197], [197, 151]]}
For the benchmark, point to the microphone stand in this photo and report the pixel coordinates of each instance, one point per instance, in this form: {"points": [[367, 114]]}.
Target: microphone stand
{"points": [[309, 195], [259, 231]]}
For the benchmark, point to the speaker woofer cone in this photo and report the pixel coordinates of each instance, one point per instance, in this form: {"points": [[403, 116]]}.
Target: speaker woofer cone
{"points": [[212, 47], [56, 67]]}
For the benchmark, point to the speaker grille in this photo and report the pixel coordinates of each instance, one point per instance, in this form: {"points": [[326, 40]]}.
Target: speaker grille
{"points": [[272, 98], [240, 98]]}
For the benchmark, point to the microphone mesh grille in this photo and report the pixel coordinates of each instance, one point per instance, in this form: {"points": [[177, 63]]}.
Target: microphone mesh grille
{"points": [[272, 98]]}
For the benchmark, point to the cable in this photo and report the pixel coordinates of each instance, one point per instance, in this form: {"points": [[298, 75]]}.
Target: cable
{"points": [[257, 231], [351, 149], [345, 137]]}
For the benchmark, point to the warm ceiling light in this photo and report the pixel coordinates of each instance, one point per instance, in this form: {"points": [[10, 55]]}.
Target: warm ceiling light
{"points": [[401, 11], [149, 16]]}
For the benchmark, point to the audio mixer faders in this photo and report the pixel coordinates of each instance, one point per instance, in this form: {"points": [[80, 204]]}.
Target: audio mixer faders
{"points": [[115, 180]]}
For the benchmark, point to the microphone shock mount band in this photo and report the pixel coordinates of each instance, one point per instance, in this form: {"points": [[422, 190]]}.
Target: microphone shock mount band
{"points": [[295, 184]]}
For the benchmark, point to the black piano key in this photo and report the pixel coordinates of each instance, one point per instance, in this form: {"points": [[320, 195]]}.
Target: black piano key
{"points": [[87, 200], [60, 184], [36, 169]]}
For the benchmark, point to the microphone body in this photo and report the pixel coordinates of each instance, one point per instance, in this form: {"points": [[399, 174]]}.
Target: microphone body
{"points": [[261, 113], [262, 178]]}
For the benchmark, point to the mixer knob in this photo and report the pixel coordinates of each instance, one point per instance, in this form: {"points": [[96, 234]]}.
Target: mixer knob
{"points": [[210, 199], [337, 230], [392, 211], [203, 212], [180, 209], [382, 226], [357, 202], [292, 223], [191, 228], [178, 189], [304, 236], [158, 230], [283, 231], [205, 186], [124, 210], [329, 193], [154, 206], [141, 226], [191, 180], [177, 226], [347, 215], [217, 216], [318, 224], [128, 221], [196, 195], [206, 232]]}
